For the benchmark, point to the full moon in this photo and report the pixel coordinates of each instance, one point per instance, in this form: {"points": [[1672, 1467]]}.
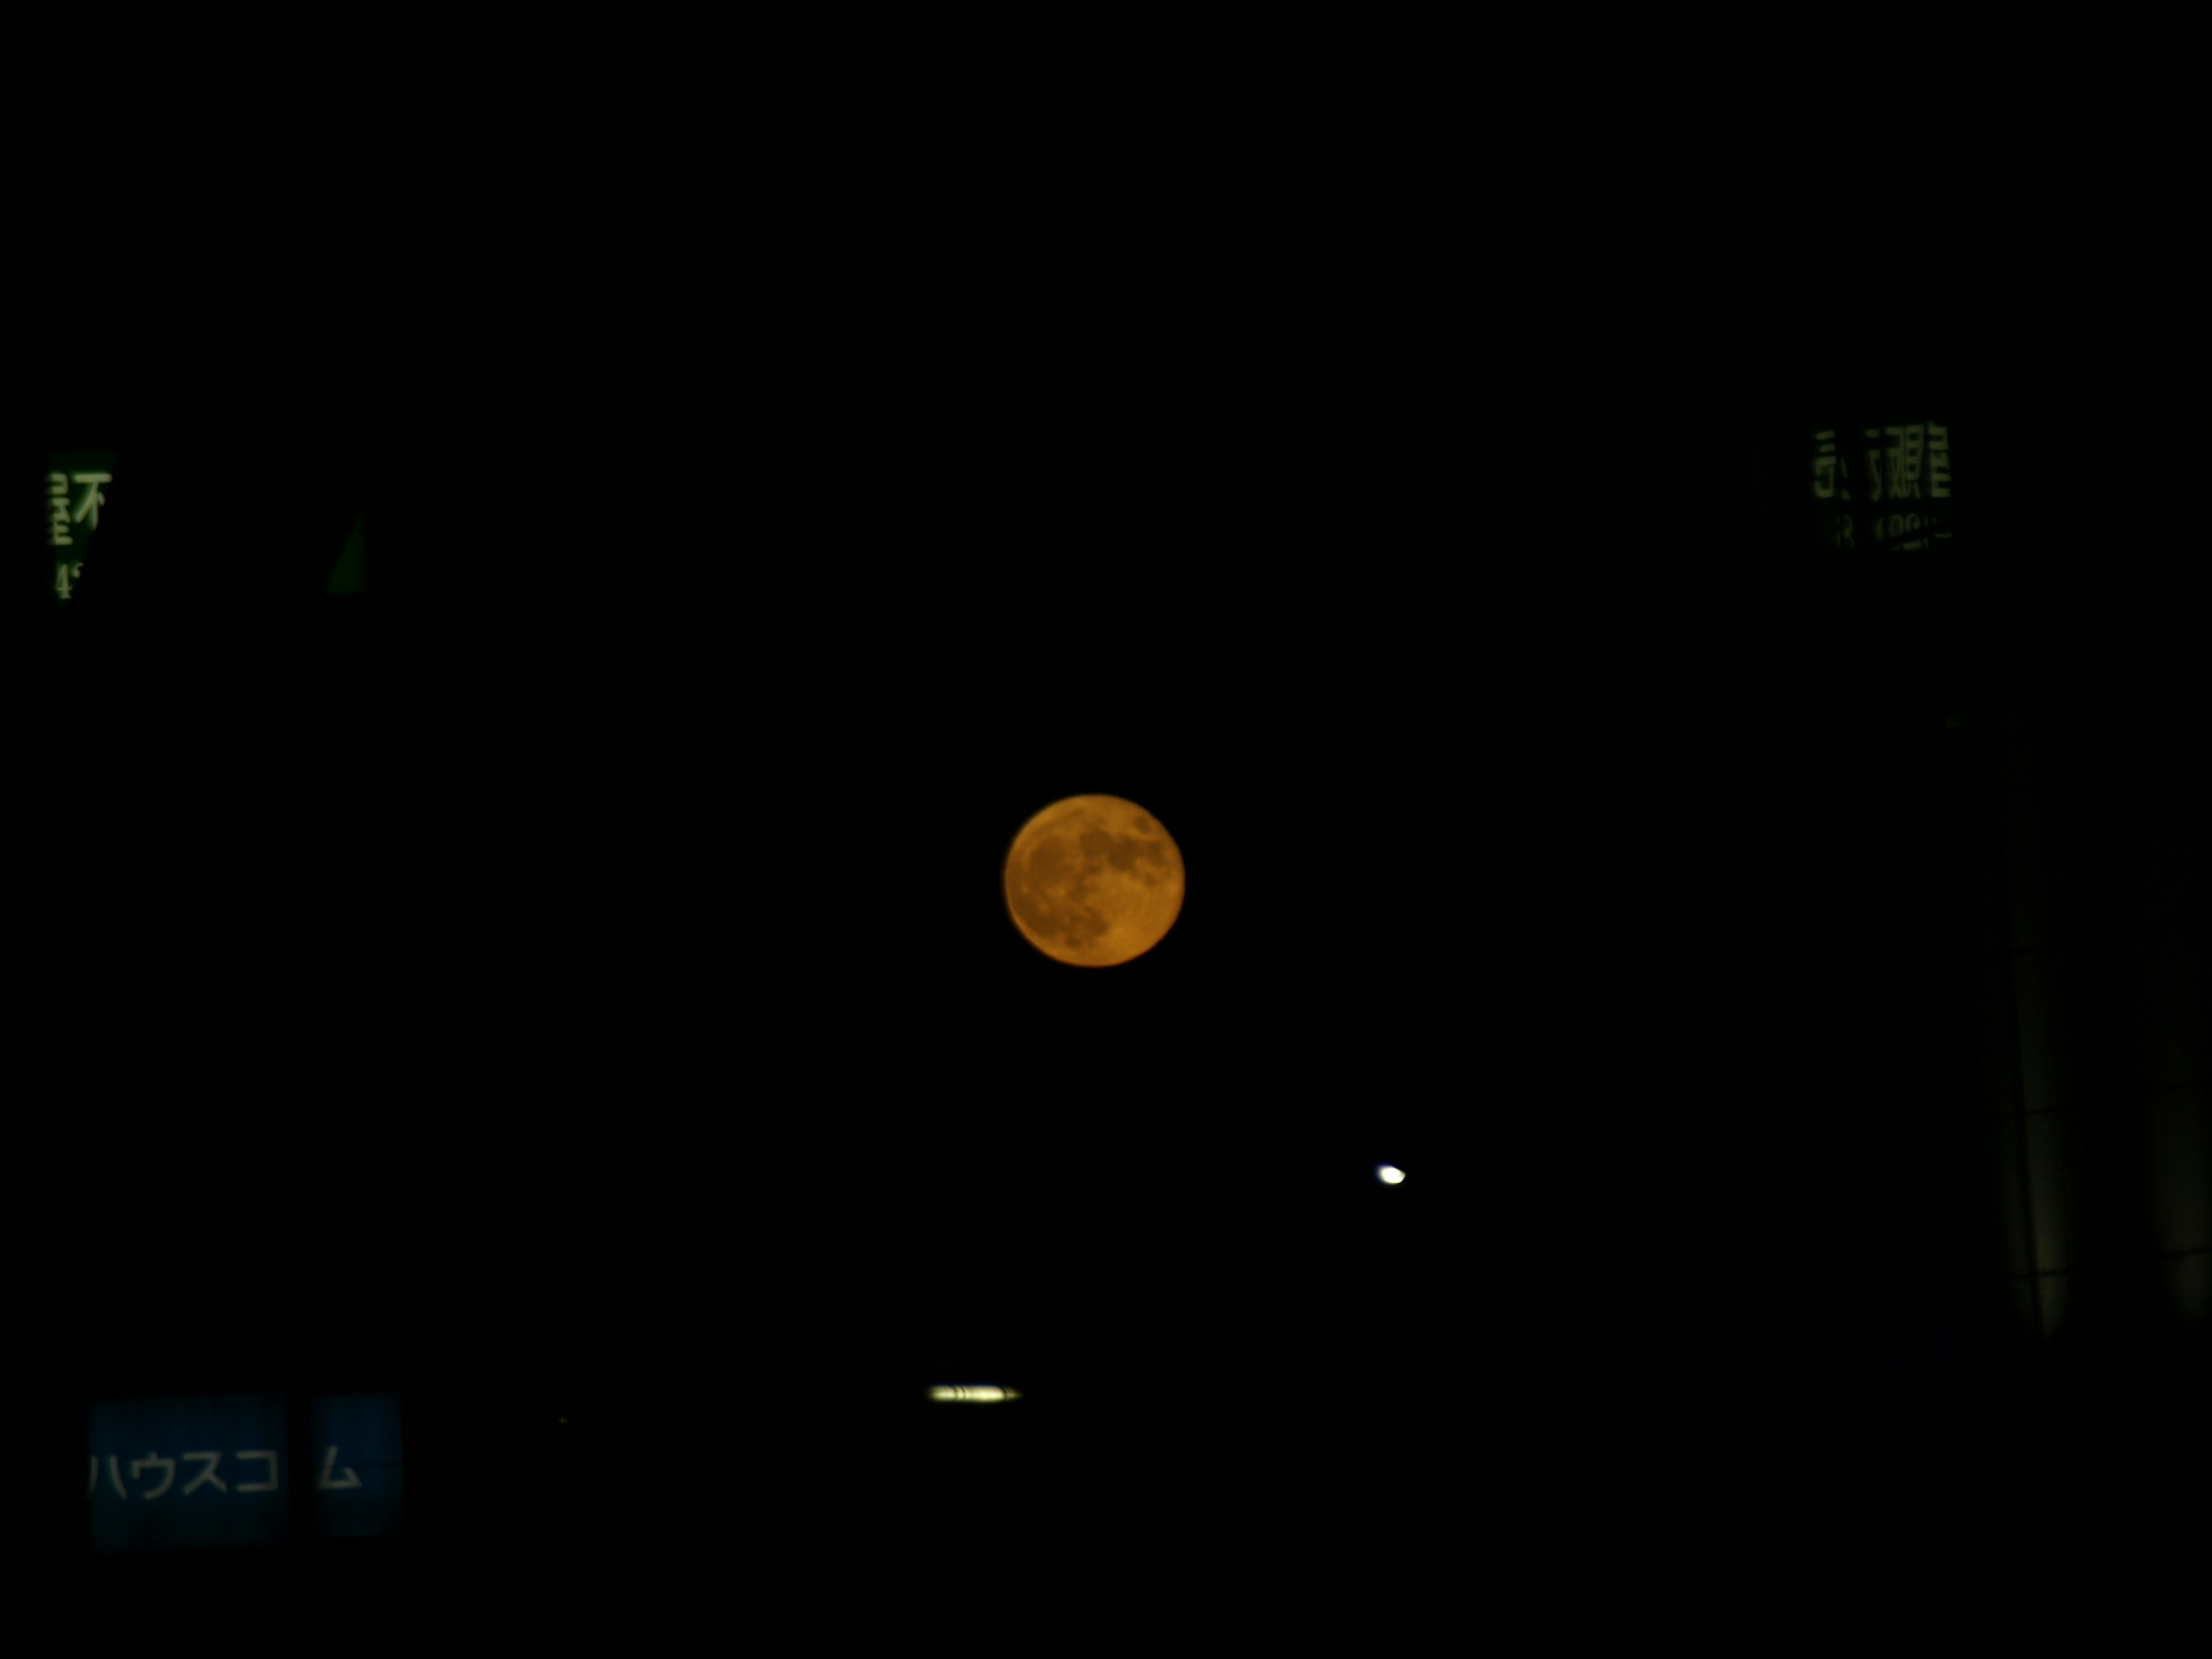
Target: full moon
{"points": [[1094, 881]]}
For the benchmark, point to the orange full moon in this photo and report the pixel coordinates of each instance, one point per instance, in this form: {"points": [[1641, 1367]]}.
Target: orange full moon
{"points": [[1094, 881]]}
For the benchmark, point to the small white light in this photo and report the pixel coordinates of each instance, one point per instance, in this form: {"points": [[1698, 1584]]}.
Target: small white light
{"points": [[1389, 1174]]}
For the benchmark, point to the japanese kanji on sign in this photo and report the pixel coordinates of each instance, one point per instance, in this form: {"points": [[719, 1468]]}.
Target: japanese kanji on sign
{"points": [[1887, 488], [76, 489]]}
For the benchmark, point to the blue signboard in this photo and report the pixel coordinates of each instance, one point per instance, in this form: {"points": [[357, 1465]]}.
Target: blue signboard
{"points": [[355, 1438], [203, 1472], [215, 1471]]}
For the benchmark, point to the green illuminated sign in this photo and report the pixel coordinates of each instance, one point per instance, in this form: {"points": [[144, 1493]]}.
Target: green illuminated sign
{"points": [[76, 489], [1891, 489], [78, 485]]}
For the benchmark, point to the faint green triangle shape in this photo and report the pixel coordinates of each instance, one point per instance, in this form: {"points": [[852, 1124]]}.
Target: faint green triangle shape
{"points": [[350, 574]]}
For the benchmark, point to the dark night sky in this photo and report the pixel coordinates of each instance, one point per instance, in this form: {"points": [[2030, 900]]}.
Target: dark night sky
{"points": [[786, 479], [740, 596]]}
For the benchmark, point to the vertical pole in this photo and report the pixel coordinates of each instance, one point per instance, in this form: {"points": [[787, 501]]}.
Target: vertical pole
{"points": [[2094, 942], [1976, 736]]}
